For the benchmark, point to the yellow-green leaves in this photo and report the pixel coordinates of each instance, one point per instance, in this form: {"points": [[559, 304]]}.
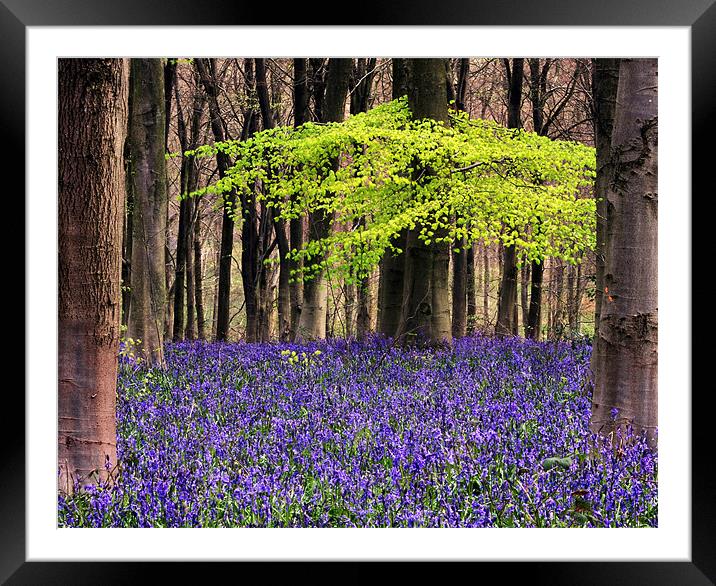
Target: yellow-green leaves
{"points": [[380, 172]]}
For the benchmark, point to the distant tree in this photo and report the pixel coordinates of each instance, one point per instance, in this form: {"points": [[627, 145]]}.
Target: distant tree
{"points": [[207, 75], [507, 307], [626, 345], [149, 190], [92, 122], [392, 265], [296, 225], [331, 104]]}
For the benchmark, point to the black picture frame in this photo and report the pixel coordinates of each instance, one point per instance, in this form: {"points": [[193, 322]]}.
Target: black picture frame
{"points": [[699, 15]]}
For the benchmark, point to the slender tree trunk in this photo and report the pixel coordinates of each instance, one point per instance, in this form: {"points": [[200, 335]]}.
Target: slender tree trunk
{"points": [[486, 285], [284, 301], [312, 324], [198, 279], [459, 291], [626, 348], [470, 289], [524, 295], [147, 148], [363, 320], [92, 123], [207, 74], [296, 225], [557, 316], [127, 238], [534, 317], [506, 323]]}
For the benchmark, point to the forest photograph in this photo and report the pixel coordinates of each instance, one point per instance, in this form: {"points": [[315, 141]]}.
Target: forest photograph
{"points": [[365, 292]]}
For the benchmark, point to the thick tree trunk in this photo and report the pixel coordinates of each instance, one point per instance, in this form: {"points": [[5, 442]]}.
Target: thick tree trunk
{"points": [[425, 316], [392, 265], [605, 78], [390, 287], [312, 323], [626, 347], [506, 309], [147, 149], [92, 123]]}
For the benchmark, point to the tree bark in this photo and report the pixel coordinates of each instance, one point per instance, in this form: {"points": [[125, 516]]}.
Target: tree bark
{"points": [[459, 292], [296, 225], [425, 315], [524, 295], [470, 289], [626, 347], [534, 316], [312, 323], [207, 74], [92, 123], [147, 149], [605, 79], [392, 265], [506, 322], [198, 278]]}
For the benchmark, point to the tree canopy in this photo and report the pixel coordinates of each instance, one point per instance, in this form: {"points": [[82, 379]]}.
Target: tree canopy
{"points": [[474, 178]]}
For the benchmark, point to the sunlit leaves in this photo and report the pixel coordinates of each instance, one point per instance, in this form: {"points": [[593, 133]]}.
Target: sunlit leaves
{"points": [[380, 172]]}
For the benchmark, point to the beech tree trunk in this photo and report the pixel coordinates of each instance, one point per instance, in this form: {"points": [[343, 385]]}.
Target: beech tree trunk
{"points": [[506, 309], [425, 315], [605, 78], [92, 123], [535, 310], [471, 290], [198, 278], [312, 323], [207, 74], [459, 292], [626, 347], [296, 225], [392, 265], [148, 170]]}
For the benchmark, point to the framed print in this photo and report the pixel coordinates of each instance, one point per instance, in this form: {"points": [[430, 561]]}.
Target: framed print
{"points": [[35, 34]]}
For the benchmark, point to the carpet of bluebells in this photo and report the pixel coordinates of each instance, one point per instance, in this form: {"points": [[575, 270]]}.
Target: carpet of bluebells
{"points": [[488, 433]]}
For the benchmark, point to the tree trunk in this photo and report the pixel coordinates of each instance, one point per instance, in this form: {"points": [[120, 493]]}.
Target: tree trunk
{"points": [[535, 311], [524, 295], [92, 123], [626, 347], [296, 225], [459, 291], [312, 323], [605, 78], [506, 323], [425, 316], [363, 320], [486, 285], [470, 289], [392, 265], [198, 279], [147, 149], [207, 74]]}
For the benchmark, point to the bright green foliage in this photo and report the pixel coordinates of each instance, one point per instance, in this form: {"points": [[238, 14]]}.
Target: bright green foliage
{"points": [[475, 178]]}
